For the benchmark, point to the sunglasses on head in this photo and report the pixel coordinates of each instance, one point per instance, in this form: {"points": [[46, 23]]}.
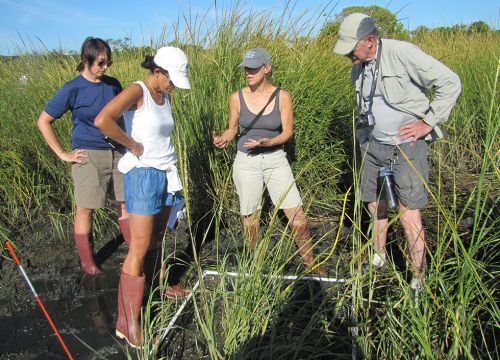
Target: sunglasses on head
{"points": [[102, 63]]}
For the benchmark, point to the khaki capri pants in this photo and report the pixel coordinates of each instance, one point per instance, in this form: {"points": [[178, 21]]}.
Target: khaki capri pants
{"points": [[272, 170]]}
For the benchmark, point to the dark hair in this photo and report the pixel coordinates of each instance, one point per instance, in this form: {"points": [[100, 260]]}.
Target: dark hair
{"points": [[149, 63], [91, 47]]}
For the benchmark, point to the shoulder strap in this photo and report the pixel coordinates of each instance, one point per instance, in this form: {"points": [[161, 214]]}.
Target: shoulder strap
{"points": [[374, 81], [249, 127]]}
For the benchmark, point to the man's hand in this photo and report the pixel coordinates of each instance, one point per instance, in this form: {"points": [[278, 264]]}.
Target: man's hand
{"points": [[415, 130]]}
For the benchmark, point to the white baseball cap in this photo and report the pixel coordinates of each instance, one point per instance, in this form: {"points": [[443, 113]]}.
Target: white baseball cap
{"points": [[174, 60]]}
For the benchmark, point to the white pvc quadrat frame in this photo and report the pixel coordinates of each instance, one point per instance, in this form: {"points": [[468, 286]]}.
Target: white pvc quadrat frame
{"points": [[205, 273]]}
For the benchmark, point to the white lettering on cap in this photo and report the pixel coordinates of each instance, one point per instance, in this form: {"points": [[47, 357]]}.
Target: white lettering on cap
{"points": [[250, 54]]}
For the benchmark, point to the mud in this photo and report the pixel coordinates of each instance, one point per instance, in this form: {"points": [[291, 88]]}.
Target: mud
{"points": [[84, 308], [296, 324]]}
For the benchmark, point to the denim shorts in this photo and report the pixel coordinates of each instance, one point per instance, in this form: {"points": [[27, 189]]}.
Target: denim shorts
{"points": [[145, 190]]}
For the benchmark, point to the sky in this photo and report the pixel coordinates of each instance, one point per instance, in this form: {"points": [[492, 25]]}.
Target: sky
{"points": [[36, 25]]}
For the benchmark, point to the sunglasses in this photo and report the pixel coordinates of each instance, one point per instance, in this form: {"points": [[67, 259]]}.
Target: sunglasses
{"points": [[351, 54], [252, 71], [165, 72], [102, 63]]}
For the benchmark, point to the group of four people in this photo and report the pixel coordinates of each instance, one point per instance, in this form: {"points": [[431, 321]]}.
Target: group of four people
{"points": [[129, 132]]}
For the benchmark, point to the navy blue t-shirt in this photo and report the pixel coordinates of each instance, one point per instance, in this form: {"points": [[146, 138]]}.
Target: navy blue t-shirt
{"points": [[85, 99]]}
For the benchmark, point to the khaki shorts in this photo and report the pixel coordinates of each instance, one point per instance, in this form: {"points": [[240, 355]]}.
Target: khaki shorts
{"points": [[272, 170], [97, 178], [409, 187]]}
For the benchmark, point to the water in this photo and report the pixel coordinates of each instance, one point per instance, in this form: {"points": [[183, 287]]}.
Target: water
{"points": [[83, 308]]}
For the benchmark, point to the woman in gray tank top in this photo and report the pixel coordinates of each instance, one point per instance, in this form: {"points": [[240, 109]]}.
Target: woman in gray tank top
{"points": [[260, 160]]}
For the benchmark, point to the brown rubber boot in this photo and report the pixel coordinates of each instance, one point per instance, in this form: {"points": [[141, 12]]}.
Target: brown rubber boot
{"points": [[130, 292], [303, 239], [125, 229], [152, 267], [86, 253]]}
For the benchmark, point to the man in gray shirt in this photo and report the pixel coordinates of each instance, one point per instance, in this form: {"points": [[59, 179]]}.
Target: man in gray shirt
{"points": [[395, 118]]}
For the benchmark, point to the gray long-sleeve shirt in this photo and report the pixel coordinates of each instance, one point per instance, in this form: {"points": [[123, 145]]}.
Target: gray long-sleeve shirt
{"points": [[405, 74]]}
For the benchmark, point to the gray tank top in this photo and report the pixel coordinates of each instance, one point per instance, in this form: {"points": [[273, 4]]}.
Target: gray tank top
{"points": [[267, 126]]}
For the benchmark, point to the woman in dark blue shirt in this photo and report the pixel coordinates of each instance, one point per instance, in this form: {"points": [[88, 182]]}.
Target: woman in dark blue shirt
{"points": [[93, 158]]}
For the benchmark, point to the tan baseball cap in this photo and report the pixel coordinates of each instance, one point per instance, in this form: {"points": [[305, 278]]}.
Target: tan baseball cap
{"points": [[354, 27]]}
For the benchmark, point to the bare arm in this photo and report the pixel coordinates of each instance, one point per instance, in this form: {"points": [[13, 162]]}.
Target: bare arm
{"points": [[106, 120], [286, 110], [232, 130], [44, 124]]}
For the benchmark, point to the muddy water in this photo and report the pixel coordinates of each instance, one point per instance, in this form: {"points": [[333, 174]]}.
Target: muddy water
{"points": [[83, 308]]}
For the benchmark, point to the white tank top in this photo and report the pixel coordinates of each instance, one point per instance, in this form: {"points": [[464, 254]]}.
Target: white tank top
{"points": [[151, 125]]}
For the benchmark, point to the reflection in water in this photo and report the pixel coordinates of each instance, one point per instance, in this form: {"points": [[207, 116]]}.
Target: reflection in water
{"points": [[96, 305]]}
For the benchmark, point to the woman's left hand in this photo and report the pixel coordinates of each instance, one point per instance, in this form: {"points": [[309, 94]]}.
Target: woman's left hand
{"points": [[264, 142]]}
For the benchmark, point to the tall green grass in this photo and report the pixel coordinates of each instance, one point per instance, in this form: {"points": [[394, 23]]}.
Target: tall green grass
{"points": [[456, 316]]}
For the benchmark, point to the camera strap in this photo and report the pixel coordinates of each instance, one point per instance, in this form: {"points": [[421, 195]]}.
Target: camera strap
{"points": [[374, 82], [249, 127]]}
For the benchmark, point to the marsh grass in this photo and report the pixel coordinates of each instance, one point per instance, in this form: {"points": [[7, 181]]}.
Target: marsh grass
{"points": [[373, 314]]}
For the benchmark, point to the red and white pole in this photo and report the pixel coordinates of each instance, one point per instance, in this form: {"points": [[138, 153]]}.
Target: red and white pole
{"points": [[14, 256]]}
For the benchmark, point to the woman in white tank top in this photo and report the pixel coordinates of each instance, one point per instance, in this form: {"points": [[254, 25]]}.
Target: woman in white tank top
{"points": [[150, 174]]}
